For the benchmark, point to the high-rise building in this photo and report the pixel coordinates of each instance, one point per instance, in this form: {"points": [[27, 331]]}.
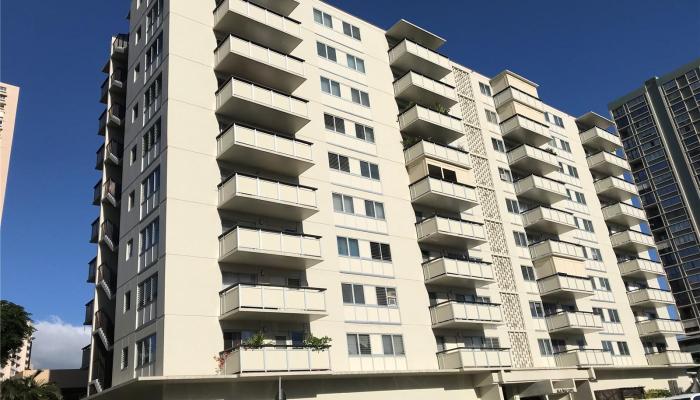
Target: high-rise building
{"points": [[9, 96], [659, 124], [310, 204], [18, 362]]}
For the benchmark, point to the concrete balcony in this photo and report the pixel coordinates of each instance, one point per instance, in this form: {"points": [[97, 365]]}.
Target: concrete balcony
{"points": [[632, 241], [555, 248], [609, 164], [583, 358], [462, 315], [573, 322], [615, 188], [513, 94], [265, 150], [239, 57], [109, 235], [107, 280], [439, 194], [541, 189], [270, 248], [114, 151], [445, 271], [261, 106], [524, 130], [414, 87], [423, 122], [641, 268], [272, 303], [115, 84], [403, 29], [251, 194], [92, 270], [111, 192], [257, 24], [425, 149], [95, 230], [275, 359], [468, 358], [113, 118], [659, 327], [624, 214], [565, 287], [100, 158], [650, 297], [450, 232], [410, 56], [549, 220], [89, 312], [284, 7], [533, 160], [599, 139], [670, 357]]}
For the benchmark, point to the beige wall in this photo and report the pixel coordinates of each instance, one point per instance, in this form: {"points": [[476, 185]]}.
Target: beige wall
{"points": [[8, 113]]}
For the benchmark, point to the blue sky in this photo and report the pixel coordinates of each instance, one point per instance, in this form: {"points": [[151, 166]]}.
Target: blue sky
{"points": [[583, 54]]}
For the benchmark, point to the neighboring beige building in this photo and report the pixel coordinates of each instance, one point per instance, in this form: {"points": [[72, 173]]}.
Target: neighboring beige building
{"points": [[280, 169], [19, 362], [9, 95]]}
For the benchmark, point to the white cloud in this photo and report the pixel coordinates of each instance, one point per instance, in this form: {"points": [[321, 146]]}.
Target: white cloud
{"points": [[57, 344]]}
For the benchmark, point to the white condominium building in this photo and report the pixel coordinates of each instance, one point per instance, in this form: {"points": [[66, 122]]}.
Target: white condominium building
{"points": [[294, 199], [9, 96]]}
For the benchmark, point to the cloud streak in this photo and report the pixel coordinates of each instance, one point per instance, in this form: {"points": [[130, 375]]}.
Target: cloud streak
{"points": [[57, 344]]}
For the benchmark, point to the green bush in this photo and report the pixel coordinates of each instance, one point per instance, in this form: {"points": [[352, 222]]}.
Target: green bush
{"points": [[657, 393]]}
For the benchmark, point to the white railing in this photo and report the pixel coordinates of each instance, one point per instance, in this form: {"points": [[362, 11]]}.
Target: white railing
{"points": [[256, 52], [641, 265], [597, 133], [407, 46], [659, 326], [573, 319], [263, 96], [449, 226], [265, 189], [428, 184], [604, 158], [537, 182], [555, 248], [415, 79], [275, 359], [670, 357], [624, 237], [538, 214], [417, 112], [453, 311], [514, 94], [559, 282], [269, 142], [474, 358], [583, 358], [528, 152], [377, 362], [649, 295], [434, 150], [259, 14], [611, 182], [258, 240], [268, 297], [459, 268], [623, 209]]}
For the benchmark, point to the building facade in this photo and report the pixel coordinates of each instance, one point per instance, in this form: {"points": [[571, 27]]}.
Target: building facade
{"points": [[18, 362], [659, 124], [9, 96], [305, 201]]}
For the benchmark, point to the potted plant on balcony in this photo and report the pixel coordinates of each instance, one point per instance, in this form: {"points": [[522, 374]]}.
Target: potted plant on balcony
{"points": [[316, 343], [254, 342]]}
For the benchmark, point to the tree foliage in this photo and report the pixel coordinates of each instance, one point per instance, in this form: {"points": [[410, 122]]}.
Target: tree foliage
{"points": [[657, 393], [15, 327], [27, 388]]}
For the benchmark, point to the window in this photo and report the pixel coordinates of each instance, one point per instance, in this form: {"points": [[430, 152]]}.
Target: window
{"points": [[505, 175], [364, 132], [146, 351], [153, 54], [596, 254], [604, 284], [323, 18], [351, 30], [356, 63], [369, 170], [130, 202], [607, 346], [520, 239], [380, 251], [554, 119], [393, 345], [528, 273], [124, 358], [545, 346], [135, 113], [374, 209], [147, 291], [513, 206], [153, 17], [334, 123], [564, 145], [386, 296], [360, 97], [150, 141], [485, 89], [576, 196], [348, 247], [326, 52], [585, 224], [330, 86], [342, 203], [137, 35], [498, 145], [622, 347], [359, 345], [491, 117], [132, 155], [614, 316], [149, 236], [353, 294], [341, 163], [127, 300], [129, 249], [150, 185], [536, 309], [137, 72], [151, 98]]}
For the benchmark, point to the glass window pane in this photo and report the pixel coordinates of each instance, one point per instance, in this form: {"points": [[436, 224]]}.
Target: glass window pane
{"points": [[388, 345], [347, 205], [359, 294], [337, 202], [353, 349], [354, 248], [342, 246], [347, 293]]}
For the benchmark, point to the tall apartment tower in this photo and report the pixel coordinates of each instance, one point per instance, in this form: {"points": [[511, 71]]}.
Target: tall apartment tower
{"points": [[20, 361], [659, 124], [9, 96], [309, 204]]}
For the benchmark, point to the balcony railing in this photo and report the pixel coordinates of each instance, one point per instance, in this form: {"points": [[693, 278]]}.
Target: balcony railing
{"points": [[607, 164], [266, 247], [458, 314], [242, 192], [458, 273], [450, 232], [260, 301], [100, 158], [513, 94], [649, 297], [466, 358], [109, 234], [275, 358], [641, 268], [556, 248], [440, 194], [92, 270], [670, 357], [112, 192], [565, 286], [599, 139], [447, 154], [95, 231], [104, 327], [632, 241], [415, 87], [107, 280], [114, 152], [89, 312], [573, 322], [615, 188], [624, 214], [408, 55], [659, 327], [521, 129], [538, 188], [532, 160], [583, 358], [428, 124], [549, 220], [97, 193]]}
